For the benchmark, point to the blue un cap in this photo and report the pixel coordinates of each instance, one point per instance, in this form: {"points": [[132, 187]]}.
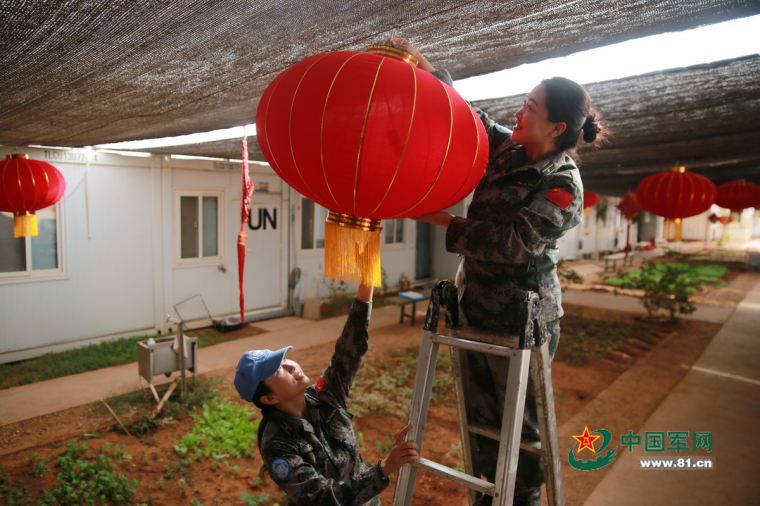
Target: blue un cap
{"points": [[254, 367]]}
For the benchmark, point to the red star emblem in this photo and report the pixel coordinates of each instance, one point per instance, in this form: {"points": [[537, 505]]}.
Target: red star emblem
{"points": [[586, 440]]}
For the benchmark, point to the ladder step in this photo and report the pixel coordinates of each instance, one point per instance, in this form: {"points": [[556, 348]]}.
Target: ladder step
{"points": [[466, 344], [493, 433], [454, 475]]}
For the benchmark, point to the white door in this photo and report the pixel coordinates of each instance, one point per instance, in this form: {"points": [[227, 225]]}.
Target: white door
{"points": [[265, 253]]}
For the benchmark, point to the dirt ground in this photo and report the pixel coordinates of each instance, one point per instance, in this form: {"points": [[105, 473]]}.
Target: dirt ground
{"points": [[574, 388]]}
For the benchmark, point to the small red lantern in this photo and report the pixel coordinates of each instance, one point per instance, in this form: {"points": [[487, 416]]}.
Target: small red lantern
{"points": [[738, 195], [369, 136], [629, 206], [590, 199], [28, 186], [675, 195]]}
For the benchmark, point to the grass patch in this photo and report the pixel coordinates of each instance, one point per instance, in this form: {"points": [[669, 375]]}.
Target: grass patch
{"points": [[223, 429], [696, 275], [56, 365], [89, 358], [583, 339], [384, 387]]}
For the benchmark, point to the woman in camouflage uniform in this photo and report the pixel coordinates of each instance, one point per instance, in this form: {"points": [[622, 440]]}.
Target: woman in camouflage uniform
{"points": [[305, 437], [530, 195]]}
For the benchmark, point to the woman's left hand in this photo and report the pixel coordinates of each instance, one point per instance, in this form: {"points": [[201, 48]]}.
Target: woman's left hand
{"points": [[439, 218], [404, 45]]}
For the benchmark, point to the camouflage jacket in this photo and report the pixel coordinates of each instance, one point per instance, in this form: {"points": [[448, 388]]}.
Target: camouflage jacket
{"points": [[509, 238], [316, 460]]}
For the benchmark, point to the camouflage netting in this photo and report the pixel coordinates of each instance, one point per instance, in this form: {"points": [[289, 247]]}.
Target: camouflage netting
{"points": [[703, 117], [85, 72]]}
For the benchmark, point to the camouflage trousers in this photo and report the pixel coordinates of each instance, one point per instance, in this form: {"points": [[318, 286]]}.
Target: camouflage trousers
{"points": [[485, 384]]}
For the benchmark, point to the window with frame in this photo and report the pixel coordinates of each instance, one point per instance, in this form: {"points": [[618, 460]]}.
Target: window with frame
{"points": [[313, 218], [34, 256], [394, 231], [199, 219]]}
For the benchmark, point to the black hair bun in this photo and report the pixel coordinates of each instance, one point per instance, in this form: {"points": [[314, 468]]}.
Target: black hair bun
{"points": [[590, 128]]}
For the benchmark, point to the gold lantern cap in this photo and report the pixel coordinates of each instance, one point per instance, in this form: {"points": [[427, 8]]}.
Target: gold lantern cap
{"points": [[392, 52], [17, 155]]}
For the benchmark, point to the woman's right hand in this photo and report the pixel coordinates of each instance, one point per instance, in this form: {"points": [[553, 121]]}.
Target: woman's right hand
{"points": [[401, 453], [404, 45]]}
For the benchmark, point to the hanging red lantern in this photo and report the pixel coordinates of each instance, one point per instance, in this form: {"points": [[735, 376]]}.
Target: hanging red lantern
{"points": [[28, 186], [369, 136], [630, 208], [590, 199], [674, 195], [738, 195], [629, 205], [713, 218]]}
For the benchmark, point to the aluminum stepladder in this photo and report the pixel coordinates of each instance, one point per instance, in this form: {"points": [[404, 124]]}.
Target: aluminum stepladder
{"points": [[531, 347]]}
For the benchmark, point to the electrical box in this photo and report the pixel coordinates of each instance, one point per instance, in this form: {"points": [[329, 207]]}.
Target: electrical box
{"points": [[156, 357]]}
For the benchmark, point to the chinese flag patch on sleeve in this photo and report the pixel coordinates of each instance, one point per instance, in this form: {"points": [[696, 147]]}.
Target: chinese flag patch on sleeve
{"points": [[320, 384], [560, 197]]}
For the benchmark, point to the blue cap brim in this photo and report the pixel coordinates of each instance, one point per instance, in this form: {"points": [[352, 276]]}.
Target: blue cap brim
{"points": [[273, 362]]}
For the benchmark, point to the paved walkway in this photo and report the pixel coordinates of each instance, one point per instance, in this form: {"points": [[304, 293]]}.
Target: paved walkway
{"points": [[720, 394]]}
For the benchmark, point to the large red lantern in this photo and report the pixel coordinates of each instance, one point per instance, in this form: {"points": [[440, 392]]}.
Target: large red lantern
{"points": [[738, 195], [369, 136], [675, 195], [28, 186]]}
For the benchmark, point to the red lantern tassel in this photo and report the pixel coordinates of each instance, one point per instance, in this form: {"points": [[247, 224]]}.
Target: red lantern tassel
{"points": [[24, 224], [342, 233]]}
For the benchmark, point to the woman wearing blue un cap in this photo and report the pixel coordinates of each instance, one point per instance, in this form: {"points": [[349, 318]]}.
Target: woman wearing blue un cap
{"points": [[305, 437]]}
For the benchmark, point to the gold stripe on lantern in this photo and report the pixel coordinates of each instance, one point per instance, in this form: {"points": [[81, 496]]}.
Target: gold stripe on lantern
{"points": [[345, 237], [392, 52]]}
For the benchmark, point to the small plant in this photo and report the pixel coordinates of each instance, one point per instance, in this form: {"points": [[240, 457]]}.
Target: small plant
{"points": [[94, 432], [383, 446], [181, 466], [16, 496], [229, 470], [567, 275], [455, 453], [253, 500], [38, 464]]}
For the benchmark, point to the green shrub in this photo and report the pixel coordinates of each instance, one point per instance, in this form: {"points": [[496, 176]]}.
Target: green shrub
{"points": [[668, 286]]}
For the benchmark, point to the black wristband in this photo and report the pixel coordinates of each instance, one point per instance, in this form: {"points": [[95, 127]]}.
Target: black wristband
{"points": [[380, 468]]}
